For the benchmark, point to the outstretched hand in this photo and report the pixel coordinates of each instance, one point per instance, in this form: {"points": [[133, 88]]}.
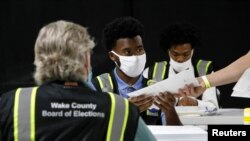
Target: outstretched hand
{"points": [[190, 90]]}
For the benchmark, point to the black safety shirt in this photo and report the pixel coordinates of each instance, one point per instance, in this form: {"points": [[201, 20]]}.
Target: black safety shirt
{"points": [[62, 111]]}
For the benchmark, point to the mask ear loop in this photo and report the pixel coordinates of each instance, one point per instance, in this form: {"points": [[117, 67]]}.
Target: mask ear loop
{"points": [[116, 62], [192, 53], [169, 54]]}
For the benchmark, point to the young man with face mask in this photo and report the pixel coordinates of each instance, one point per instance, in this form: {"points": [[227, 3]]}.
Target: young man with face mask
{"points": [[123, 41], [63, 107], [179, 41]]}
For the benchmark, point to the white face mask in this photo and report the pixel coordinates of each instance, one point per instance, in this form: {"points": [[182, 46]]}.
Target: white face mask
{"points": [[132, 66], [181, 66]]}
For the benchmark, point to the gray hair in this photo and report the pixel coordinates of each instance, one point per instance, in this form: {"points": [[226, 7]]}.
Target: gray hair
{"points": [[60, 52]]}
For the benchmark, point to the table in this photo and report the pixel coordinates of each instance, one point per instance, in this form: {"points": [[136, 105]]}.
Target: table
{"points": [[224, 116]]}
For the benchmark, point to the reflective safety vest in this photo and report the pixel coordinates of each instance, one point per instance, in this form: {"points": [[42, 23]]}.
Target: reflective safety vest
{"points": [[107, 83], [25, 111], [158, 71]]}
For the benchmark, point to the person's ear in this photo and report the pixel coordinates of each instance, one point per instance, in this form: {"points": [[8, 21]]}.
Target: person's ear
{"points": [[113, 57], [87, 63], [168, 53]]}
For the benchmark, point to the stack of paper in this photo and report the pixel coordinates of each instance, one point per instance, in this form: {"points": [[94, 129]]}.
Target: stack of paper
{"points": [[195, 111], [178, 133], [242, 87], [172, 84]]}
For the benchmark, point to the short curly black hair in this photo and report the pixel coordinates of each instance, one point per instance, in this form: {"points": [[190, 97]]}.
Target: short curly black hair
{"points": [[180, 33], [124, 27]]}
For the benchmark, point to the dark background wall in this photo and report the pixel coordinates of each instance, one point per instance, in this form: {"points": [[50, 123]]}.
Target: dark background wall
{"points": [[224, 25]]}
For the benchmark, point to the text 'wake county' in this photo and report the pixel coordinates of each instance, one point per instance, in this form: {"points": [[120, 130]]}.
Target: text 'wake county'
{"points": [[73, 105]]}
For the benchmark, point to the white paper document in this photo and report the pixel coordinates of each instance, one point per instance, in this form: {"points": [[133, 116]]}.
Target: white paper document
{"points": [[242, 87], [195, 111], [172, 84]]}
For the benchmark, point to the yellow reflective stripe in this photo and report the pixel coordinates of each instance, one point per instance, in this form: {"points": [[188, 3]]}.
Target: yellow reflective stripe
{"points": [[100, 81], [150, 81], [125, 119], [247, 119], [32, 114], [198, 64], [209, 62], [110, 81], [154, 71], [16, 114], [164, 70], [111, 118]]}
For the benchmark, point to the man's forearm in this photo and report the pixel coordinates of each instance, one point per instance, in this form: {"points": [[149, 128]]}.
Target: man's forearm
{"points": [[172, 118]]}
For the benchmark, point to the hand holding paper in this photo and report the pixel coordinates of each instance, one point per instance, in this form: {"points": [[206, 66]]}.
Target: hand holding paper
{"points": [[172, 84], [143, 102]]}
